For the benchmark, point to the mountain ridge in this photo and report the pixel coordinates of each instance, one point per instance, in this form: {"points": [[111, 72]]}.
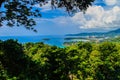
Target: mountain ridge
{"points": [[109, 33]]}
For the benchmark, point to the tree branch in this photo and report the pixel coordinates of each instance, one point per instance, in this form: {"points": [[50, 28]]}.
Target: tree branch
{"points": [[1, 1]]}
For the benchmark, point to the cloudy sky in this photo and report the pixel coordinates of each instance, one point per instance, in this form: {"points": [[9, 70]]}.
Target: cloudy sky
{"points": [[103, 15]]}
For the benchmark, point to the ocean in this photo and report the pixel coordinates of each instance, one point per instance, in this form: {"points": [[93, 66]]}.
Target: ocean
{"points": [[54, 40]]}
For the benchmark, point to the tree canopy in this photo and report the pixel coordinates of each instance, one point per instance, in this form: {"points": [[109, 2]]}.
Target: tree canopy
{"points": [[38, 61], [21, 12]]}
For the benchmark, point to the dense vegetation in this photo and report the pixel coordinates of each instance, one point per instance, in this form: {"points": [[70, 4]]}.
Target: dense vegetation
{"points": [[116, 39], [38, 61]]}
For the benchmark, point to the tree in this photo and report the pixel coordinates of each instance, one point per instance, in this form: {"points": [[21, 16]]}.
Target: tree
{"points": [[15, 65], [110, 68], [21, 12]]}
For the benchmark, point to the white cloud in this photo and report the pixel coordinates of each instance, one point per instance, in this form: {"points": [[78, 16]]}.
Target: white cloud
{"points": [[44, 7], [110, 2], [98, 17]]}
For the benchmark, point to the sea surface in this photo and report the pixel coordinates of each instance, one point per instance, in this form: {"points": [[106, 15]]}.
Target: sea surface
{"points": [[56, 40]]}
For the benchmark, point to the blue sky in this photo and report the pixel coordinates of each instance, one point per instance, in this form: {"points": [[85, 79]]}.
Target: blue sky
{"points": [[103, 15]]}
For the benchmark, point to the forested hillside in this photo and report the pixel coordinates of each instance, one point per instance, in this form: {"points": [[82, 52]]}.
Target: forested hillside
{"points": [[38, 61]]}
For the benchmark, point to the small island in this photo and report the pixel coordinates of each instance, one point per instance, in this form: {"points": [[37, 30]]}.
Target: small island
{"points": [[46, 39]]}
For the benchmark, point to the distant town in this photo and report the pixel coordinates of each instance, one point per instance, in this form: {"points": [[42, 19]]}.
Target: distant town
{"points": [[95, 37]]}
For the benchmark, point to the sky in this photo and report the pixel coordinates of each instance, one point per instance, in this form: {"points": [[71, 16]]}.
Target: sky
{"points": [[102, 16]]}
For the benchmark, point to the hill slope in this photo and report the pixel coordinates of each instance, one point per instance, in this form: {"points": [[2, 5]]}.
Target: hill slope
{"points": [[110, 33]]}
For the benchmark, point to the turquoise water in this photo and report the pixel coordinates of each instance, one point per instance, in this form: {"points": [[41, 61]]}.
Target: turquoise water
{"points": [[56, 40]]}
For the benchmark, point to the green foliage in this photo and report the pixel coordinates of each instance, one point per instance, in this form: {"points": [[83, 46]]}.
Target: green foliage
{"points": [[37, 61], [113, 39], [86, 46], [15, 63]]}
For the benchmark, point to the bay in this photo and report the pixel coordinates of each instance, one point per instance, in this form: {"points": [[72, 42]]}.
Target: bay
{"points": [[54, 40]]}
